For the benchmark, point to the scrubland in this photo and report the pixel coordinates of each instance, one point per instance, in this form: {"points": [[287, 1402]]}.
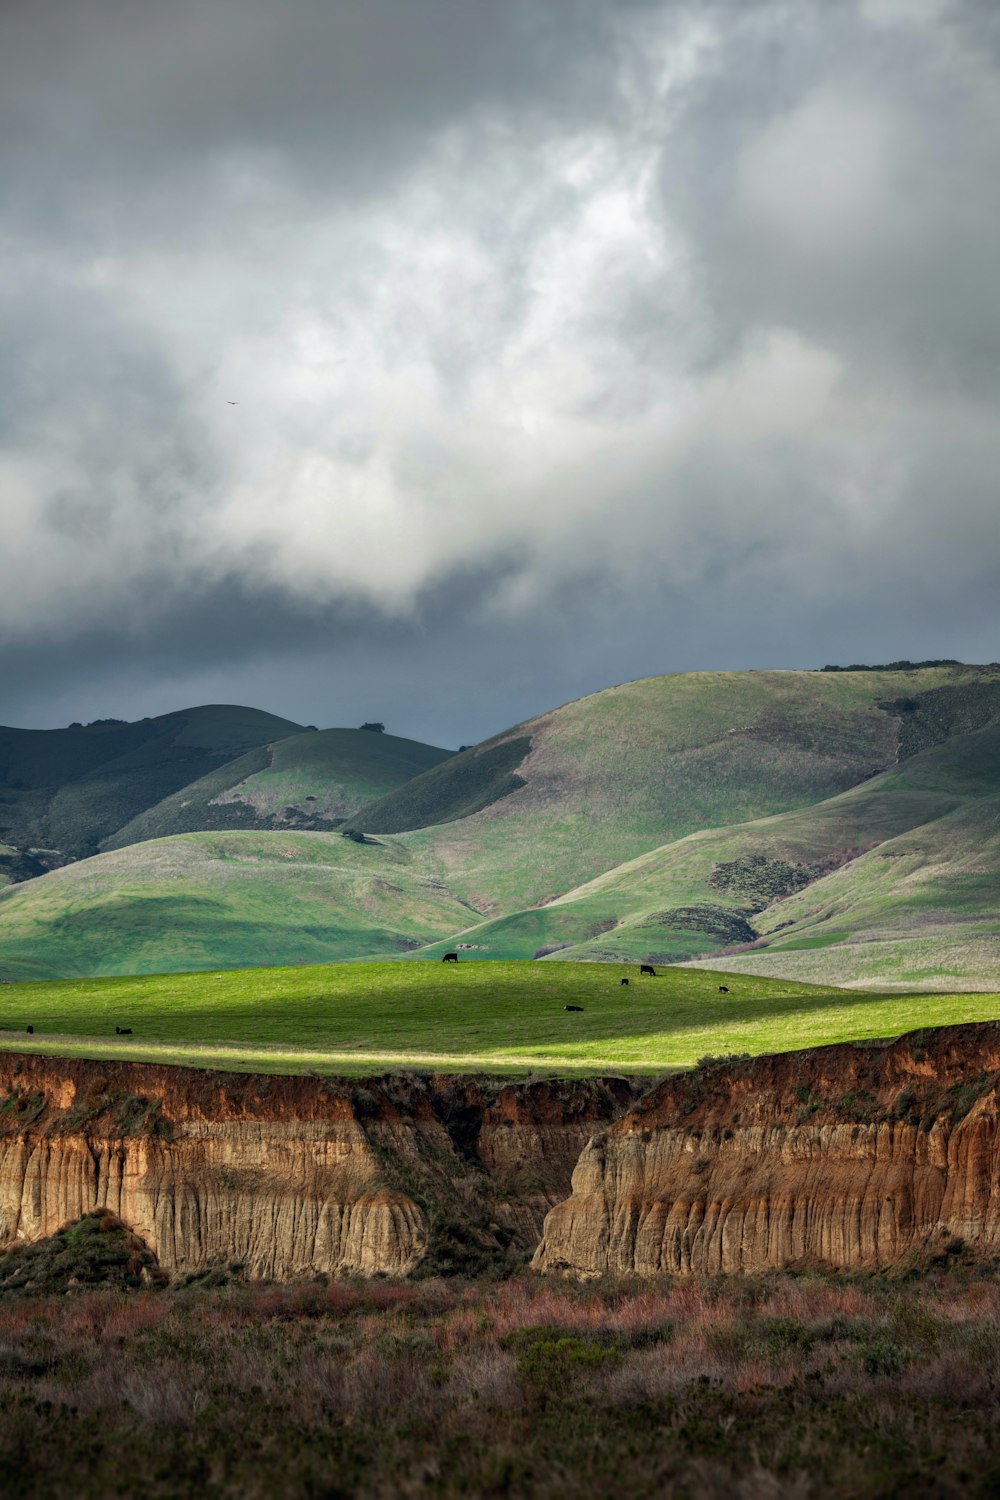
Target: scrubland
{"points": [[798, 1386]]}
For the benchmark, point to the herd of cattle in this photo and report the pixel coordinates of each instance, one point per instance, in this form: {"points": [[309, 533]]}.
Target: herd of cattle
{"points": [[452, 958], [449, 958]]}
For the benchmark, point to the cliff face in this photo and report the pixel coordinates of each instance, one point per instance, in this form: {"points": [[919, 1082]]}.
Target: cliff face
{"points": [[845, 1157], [290, 1175]]}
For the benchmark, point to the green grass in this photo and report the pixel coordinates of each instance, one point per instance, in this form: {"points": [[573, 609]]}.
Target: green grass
{"points": [[215, 900], [497, 1017], [311, 780]]}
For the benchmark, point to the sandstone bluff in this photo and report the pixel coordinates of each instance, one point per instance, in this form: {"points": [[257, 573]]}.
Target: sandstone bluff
{"points": [[854, 1156]]}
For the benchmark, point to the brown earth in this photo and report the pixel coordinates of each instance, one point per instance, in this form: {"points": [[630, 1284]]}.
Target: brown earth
{"points": [[846, 1157], [287, 1176], [843, 1157]]}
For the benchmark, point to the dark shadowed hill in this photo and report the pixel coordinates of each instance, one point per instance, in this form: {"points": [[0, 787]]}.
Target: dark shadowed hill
{"points": [[63, 791]]}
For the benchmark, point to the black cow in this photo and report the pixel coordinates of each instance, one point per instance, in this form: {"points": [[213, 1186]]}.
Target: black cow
{"points": [[30, 1030], [572, 1007], [123, 1031], [723, 989], [450, 958], [624, 981], [647, 969]]}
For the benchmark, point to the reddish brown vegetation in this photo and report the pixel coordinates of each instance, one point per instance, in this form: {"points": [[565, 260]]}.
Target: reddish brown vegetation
{"points": [[770, 1387]]}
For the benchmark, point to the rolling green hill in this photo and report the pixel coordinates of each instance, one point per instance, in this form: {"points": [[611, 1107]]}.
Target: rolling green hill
{"points": [[311, 780], [223, 900], [672, 818], [803, 880], [607, 778], [63, 791]]}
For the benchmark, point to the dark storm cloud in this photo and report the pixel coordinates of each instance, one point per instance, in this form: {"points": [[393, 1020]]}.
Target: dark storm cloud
{"points": [[571, 341]]}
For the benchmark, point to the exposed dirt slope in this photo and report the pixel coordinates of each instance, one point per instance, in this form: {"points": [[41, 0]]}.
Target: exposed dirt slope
{"points": [[846, 1156], [287, 1176]]}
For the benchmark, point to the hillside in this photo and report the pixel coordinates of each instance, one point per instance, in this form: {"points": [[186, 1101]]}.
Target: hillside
{"points": [[602, 780], [802, 880], [63, 791], [921, 910], [223, 900], [311, 780], [666, 819]]}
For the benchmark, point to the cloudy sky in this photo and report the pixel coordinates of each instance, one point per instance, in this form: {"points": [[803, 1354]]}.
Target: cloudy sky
{"points": [[571, 341]]}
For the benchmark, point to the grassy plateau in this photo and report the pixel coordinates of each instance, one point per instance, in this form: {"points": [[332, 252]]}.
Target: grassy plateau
{"points": [[502, 1017]]}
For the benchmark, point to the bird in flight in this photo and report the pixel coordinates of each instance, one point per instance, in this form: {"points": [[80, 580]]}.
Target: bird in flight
{"points": [[232, 403]]}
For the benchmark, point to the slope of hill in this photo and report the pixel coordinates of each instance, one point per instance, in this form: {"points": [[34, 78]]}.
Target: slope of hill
{"points": [[609, 777], [742, 884], [921, 910], [62, 791], [311, 780], [223, 900]]}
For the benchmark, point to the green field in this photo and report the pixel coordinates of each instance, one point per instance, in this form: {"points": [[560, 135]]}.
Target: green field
{"points": [[495, 1017]]}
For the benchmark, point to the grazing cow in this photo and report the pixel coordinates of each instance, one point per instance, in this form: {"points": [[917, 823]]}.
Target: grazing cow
{"points": [[30, 1030], [723, 989], [572, 1007], [450, 958], [624, 981], [647, 969], [123, 1031]]}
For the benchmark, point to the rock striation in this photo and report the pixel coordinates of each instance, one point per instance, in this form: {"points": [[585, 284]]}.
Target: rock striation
{"points": [[290, 1176], [846, 1157]]}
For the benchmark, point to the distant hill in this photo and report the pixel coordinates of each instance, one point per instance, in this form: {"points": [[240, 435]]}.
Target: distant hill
{"points": [[307, 781], [787, 815], [63, 791]]}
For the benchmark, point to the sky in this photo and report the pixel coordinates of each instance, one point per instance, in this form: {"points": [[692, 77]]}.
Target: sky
{"points": [[438, 361]]}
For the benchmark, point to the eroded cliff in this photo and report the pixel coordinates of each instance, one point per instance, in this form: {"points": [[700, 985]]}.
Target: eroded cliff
{"points": [[287, 1176], [844, 1157]]}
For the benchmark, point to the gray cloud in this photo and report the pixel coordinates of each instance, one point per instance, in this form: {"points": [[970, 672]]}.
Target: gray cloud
{"points": [[571, 341]]}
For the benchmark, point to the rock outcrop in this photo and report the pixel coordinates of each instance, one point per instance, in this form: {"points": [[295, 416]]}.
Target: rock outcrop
{"points": [[843, 1157], [846, 1157], [288, 1176]]}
